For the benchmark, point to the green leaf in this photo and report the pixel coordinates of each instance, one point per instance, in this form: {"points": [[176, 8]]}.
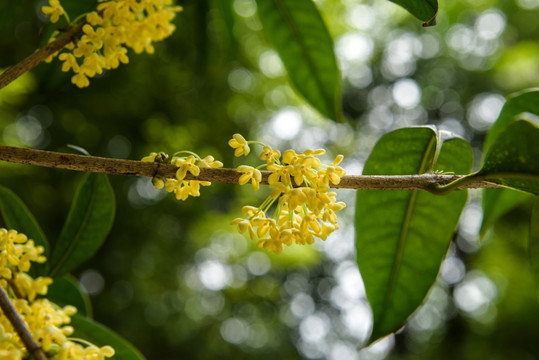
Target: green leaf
{"points": [[425, 10], [66, 291], [498, 202], [100, 335], [402, 236], [226, 13], [17, 217], [305, 46], [513, 158], [533, 246], [526, 101], [88, 223]]}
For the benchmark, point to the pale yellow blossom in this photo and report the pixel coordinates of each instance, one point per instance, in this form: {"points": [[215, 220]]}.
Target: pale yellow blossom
{"points": [[55, 10]]}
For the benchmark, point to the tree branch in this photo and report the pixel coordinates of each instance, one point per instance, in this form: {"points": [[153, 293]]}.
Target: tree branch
{"points": [[20, 327], [40, 55], [138, 168]]}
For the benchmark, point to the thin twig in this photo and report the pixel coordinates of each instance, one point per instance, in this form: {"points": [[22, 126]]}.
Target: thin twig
{"points": [[40, 55], [138, 168], [20, 327]]}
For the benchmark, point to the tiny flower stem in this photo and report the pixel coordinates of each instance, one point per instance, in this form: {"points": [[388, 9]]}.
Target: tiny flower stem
{"points": [[186, 152], [277, 212], [20, 326], [256, 143], [67, 17], [266, 205]]}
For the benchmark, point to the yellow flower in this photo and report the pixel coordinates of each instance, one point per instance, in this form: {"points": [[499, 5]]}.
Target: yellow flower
{"points": [[185, 165], [183, 189], [333, 173], [209, 161], [244, 225], [94, 19], [149, 158], [93, 36], [115, 56], [70, 62], [55, 10], [80, 80], [240, 145], [93, 64], [269, 155], [250, 174], [83, 48]]}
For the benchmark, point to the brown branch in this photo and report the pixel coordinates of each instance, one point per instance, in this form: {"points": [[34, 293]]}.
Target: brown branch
{"points": [[40, 55], [20, 326], [138, 168]]}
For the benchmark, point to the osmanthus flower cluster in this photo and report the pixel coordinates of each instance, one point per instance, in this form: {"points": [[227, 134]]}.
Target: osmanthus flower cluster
{"points": [[109, 31], [304, 206], [47, 322], [190, 163]]}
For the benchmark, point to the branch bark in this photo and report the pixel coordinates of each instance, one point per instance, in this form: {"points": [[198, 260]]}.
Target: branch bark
{"points": [[40, 55], [138, 168], [20, 326]]}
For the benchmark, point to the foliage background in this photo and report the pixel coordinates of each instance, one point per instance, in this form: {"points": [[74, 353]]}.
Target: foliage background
{"points": [[175, 279]]}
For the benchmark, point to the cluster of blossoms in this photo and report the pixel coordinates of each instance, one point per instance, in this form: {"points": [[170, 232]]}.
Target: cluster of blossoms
{"points": [[46, 321], [107, 32], [304, 206], [190, 163]]}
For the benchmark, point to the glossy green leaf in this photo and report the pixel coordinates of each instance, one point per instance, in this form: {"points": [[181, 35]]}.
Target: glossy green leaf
{"points": [[526, 101], [513, 158], [100, 335], [425, 10], [65, 290], [497, 202], [402, 236], [305, 46], [533, 246], [88, 224], [17, 217]]}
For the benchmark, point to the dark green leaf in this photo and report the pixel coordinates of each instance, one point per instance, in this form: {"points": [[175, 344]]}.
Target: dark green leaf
{"points": [[402, 236], [498, 202], [513, 158], [302, 40], [17, 217], [88, 223], [526, 101], [227, 15], [425, 10], [534, 240], [100, 335], [66, 291]]}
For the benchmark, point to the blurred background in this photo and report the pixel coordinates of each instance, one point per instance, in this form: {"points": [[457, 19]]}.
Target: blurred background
{"points": [[175, 278]]}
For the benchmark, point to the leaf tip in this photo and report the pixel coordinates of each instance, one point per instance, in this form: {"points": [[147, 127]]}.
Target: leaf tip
{"points": [[430, 22]]}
